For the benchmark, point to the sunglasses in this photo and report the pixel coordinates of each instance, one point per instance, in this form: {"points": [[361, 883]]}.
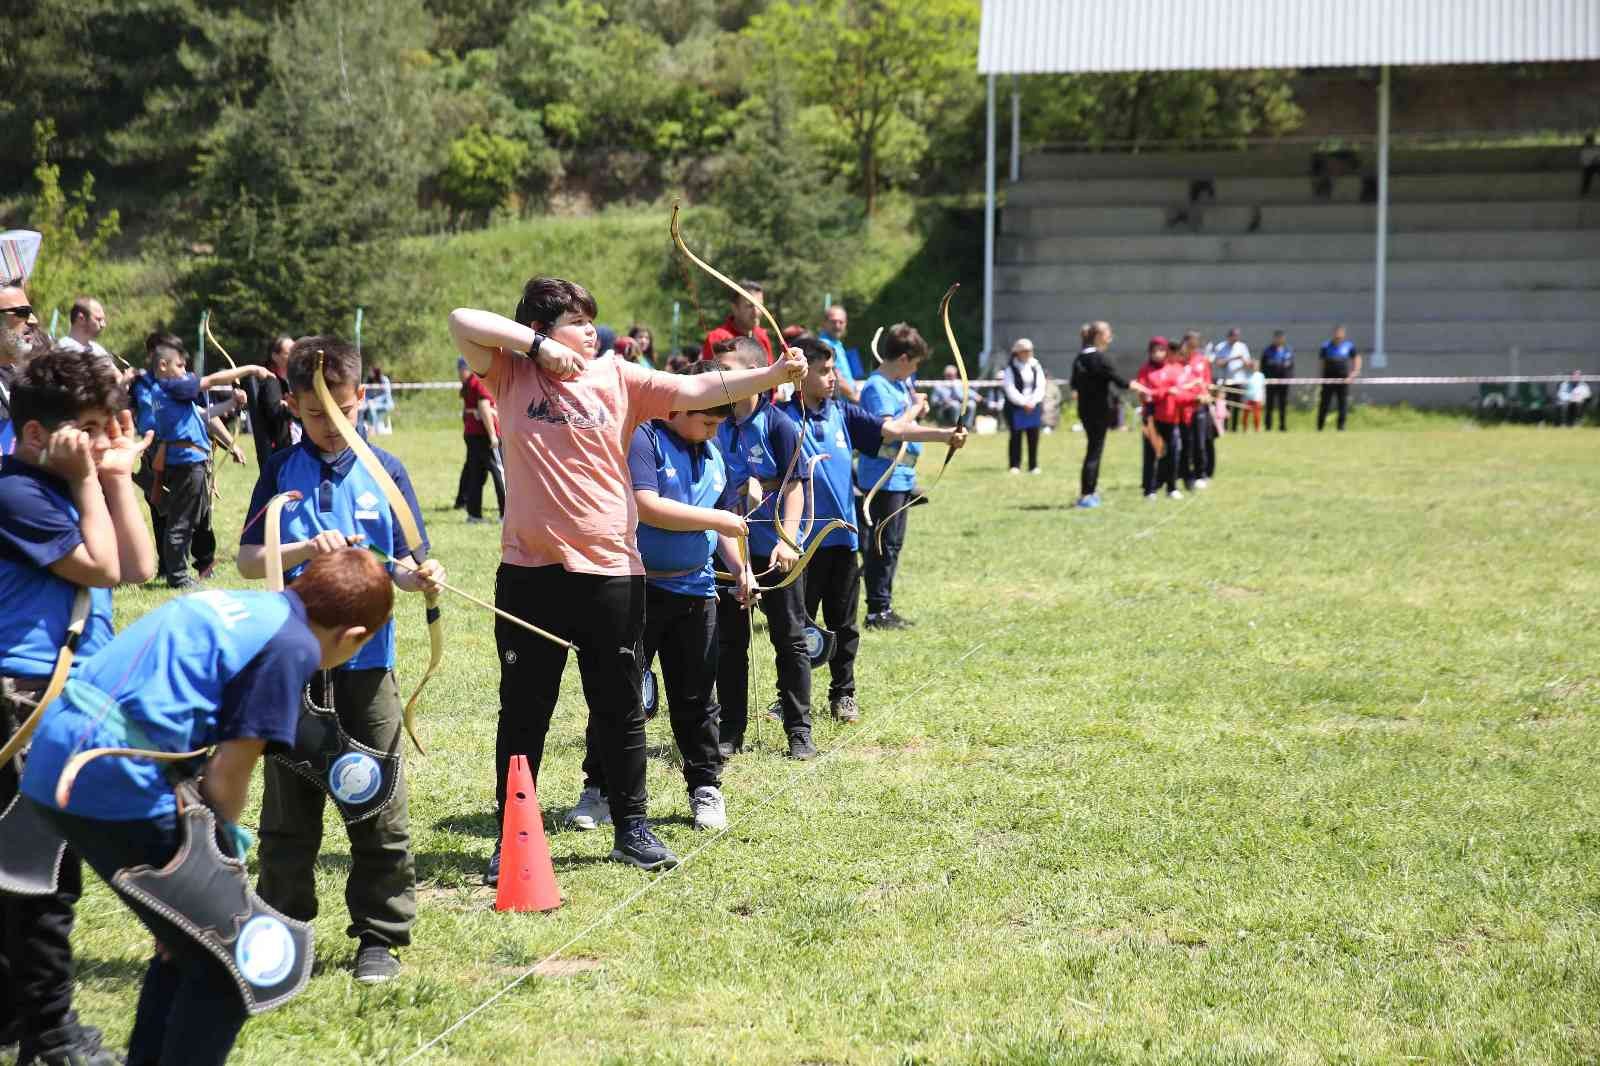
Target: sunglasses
{"points": [[21, 311]]}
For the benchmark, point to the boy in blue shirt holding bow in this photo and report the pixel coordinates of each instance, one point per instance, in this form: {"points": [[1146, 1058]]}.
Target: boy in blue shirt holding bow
{"points": [[341, 504]]}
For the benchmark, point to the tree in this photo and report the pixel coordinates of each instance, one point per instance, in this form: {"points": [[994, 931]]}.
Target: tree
{"points": [[71, 245], [480, 171], [872, 61], [306, 191]]}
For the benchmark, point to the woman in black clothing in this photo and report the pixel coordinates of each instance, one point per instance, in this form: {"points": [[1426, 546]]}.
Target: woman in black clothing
{"points": [[1092, 378]]}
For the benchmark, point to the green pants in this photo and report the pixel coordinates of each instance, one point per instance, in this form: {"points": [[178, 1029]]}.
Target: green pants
{"points": [[381, 889]]}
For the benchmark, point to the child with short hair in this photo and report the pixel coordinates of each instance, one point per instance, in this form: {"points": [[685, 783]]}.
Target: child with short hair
{"points": [[69, 525], [341, 504], [220, 670], [1255, 397]]}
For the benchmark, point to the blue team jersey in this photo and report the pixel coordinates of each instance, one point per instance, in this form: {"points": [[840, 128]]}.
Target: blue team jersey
{"points": [[1338, 353], [833, 431], [142, 391], [180, 423], [8, 437], [336, 494], [887, 399], [759, 447], [197, 671], [39, 526], [694, 474], [1277, 357]]}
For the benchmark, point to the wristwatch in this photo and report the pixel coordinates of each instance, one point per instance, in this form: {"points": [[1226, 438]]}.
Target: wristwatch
{"points": [[533, 349]]}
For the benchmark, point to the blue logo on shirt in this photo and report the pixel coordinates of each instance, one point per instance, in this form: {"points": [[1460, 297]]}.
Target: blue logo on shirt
{"points": [[265, 951], [355, 777]]}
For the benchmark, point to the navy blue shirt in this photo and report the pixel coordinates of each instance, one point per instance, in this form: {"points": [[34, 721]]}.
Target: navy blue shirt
{"points": [[197, 671], [39, 526], [339, 494], [1338, 353], [760, 447], [694, 474], [833, 430], [179, 422], [142, 391], [1277, 360]]}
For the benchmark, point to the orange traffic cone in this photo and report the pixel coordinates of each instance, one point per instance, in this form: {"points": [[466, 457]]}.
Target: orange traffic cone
{"points": [[527, 877]]}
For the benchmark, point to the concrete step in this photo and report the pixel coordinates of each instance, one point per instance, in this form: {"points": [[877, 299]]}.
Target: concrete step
{"points": [[1223, 219], [1184, 247], [1058, 333], [1247, 191], [1292, 161], [1291, 277], [1413, 305]]}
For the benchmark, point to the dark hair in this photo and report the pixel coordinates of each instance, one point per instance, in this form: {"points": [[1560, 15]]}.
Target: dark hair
{"points": [[677, 364], [375, 373], [341, 363], [60, 385], [163, 340], [638, 328], [750, 286], [80, 308], [705, 366], [901, 339], [748, 349], [349, 587], [281, 342], [815, 349], [546, 299]]}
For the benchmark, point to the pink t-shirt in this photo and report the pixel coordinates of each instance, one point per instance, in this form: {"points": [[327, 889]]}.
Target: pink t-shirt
{"points": [[569, 500]]}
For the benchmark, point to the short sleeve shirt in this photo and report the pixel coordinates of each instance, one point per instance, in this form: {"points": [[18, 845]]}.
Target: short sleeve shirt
{"points": [[568, 497], [884, 398], [471, 393]]}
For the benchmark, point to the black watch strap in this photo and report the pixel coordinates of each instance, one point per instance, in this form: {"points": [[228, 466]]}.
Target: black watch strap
{"points": [[538, 339]]}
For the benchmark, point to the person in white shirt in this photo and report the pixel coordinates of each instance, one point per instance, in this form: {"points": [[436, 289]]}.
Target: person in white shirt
{"points": [[87, 320], [1572, 397], [1230, 364], [1024, 382]]}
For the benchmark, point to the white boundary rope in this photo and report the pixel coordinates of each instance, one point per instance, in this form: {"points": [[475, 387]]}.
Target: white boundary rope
{"points": [[989, 383], [1174, 511]]}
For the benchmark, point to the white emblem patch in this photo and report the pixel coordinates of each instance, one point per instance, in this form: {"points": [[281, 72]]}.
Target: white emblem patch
{"points": [[355, 777], [265, 951], [511, 658], [366, 501], [813, 642]]}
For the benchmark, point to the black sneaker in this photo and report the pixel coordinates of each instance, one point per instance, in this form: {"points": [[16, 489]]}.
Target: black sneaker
{"points": [[491, 875], [70, 1045], [800, 747], [635, 845], [375, 963], [184, 584], [899, 621], [886, 620], [729, 748]]}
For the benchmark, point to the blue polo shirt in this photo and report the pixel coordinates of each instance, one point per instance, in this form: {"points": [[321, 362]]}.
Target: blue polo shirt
{"points": [[694, 474], [834, 430], [39, 526], [883, 399], [336, 494], [759, 447], [179, 421], [1277, 359], [1338, 353], [199, 670], [142, 391], [843, 364]]}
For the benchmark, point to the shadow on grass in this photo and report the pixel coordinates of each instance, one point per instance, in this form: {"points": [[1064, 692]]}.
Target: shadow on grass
{"points": [[472, 825]]}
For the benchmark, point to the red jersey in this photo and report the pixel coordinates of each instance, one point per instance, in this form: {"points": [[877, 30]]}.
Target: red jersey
{"points": [[473, 390], [1165, 384], [1196, 372], [726, 330]]}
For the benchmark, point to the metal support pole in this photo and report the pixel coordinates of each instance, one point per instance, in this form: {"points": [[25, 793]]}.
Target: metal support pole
{"points": [[1016, 129], [1380, 290], [988, 229]]}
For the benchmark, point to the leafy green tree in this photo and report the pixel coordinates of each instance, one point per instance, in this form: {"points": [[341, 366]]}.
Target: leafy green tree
{"points": [[73, 240], [309, 188], [1178, 107], [873, 62], [481, 170]]}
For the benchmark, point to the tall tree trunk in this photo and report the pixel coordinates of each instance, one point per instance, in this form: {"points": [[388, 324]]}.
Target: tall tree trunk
{"points": [[869, 174]]}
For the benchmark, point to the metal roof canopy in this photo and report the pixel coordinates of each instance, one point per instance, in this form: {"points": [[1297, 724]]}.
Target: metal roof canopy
{"points": [[1092, 36], [1104, 36]]}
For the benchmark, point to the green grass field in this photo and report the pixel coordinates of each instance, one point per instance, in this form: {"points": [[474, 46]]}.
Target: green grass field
{"points": [[1296, 770]]}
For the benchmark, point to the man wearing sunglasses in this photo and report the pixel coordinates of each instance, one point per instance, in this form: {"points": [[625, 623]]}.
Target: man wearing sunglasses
{"points": [[19, 336]]}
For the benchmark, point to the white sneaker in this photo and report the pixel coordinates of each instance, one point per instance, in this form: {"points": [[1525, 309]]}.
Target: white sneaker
{"points": [[1016, 470], [1037, 470], [1201, 483], [708, 808], [592, 811], [1175, 494], [1150, 497]]}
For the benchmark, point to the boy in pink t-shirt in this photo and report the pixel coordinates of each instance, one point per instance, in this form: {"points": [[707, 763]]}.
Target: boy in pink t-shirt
{"points": [[569, 562]]}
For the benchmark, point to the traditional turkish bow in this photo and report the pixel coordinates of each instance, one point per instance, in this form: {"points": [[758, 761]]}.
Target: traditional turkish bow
{"points": [[966, 389], [205, 324], [777, 338], [408, 525], [58, 676]]}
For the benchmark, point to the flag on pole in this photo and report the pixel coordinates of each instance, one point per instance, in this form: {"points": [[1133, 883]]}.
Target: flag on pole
{"points": [[19, 250]]}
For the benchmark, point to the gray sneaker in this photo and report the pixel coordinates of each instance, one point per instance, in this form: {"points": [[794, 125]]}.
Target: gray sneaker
{"points": [[710, 812], [844, 708], [592, 812]]}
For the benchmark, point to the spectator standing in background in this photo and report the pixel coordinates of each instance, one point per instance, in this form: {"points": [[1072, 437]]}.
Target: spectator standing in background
{"points": [[1024, 383], [378, 401], [741, 322], [946, 400], [645, 341], [273, 424], [834, 323], [1277, 363], [1339, 360], [1092, 378], [1255, 396], [480, 429], [1572, 396], [88, 321], [1230, 361]]}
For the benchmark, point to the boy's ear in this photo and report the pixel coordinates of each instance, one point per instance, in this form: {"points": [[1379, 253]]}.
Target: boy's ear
{"points": [[293, 403]]}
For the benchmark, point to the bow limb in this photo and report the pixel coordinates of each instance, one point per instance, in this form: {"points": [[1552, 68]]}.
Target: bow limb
{"points": [[272, 539], [407, 564], [58, 676], [866, 505], [777, 338], [805, 560], [75, 765], [408, 525], [212, 337], [876, 357]]}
